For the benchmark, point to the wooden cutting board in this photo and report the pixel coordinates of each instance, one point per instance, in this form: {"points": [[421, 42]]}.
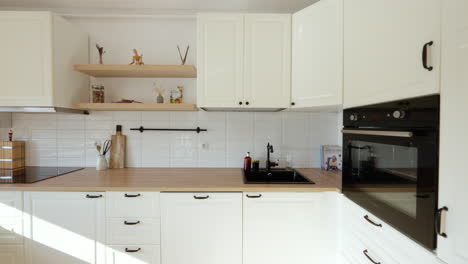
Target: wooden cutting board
{"points": [[117, 155]]}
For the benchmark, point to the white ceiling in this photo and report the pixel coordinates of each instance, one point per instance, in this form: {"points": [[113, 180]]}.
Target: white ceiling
{"points": [[282, 6]]}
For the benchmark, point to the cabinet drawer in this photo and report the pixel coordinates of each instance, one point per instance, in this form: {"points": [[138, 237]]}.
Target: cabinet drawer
{"points": [[392, 242], [133, 204], [361, 250], [123, 231], [133, 254]]}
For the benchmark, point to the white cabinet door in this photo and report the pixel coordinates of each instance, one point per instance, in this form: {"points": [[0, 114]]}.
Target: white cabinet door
{"points": [[293, 228], [11, 254], [220, 59], [453, 142], [66, 227], [26, 52], [317, 55], [267, 60], [201, 228], [383, 50], [11, 224]]}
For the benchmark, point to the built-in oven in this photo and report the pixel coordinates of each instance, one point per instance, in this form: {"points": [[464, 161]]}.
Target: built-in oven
{"points": [[390, 163]]}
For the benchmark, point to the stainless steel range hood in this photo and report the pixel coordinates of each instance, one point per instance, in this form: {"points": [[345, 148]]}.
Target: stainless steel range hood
{"points": [[37, 109]]}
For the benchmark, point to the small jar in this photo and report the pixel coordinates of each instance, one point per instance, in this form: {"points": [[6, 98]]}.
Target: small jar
{"points": [[97, 94], [255, 165]]}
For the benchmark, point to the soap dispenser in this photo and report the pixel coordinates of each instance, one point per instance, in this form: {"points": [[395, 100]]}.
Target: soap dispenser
{"points": [[247, 162]]}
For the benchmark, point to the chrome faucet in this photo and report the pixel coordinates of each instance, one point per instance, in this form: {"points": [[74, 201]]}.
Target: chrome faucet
{"points": [[269, 163]]}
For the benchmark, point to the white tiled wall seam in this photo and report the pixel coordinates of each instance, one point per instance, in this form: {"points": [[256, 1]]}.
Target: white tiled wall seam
{"points": [[68, 140]]}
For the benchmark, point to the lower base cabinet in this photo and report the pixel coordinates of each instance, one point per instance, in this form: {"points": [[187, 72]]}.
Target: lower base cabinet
{"points": [[293, 228], [64, 227], [367, 243], [137, 254], [11, 254], [201, 228]]}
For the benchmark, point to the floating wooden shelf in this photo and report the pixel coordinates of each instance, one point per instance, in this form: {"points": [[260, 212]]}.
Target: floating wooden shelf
{"points": [[136, 107], [137, 71]]}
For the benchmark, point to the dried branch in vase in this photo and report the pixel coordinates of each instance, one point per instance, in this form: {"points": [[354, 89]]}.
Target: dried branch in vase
{"points": [[183, 59], [101, 52]]}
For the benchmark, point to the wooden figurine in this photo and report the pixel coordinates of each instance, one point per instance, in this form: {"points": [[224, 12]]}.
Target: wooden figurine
{"points": [[137, 59], [184, 59], [101, 52]]}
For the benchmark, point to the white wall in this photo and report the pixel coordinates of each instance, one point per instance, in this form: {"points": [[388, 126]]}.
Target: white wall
{"points": [[68, 140]]}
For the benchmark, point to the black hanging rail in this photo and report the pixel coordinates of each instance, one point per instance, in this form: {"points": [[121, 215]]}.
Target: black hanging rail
{"points": [[142, 129]]}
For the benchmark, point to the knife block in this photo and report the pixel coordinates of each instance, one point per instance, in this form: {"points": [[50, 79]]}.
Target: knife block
{"points": [[12, 154]]}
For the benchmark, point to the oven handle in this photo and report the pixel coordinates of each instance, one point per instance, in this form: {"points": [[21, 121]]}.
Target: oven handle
{"points": [[405, 134]]}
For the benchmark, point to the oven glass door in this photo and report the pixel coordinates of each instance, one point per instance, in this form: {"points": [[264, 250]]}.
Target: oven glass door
{"points": [[394, 177]]}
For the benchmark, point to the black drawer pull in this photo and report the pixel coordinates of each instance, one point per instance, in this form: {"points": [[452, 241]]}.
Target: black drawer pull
{"points": [[253, 196], [132, 195], [369, 258], [372, 222], [132, 250], [424, 56], [93, 196], [439, 221], [201, 197], [131, 223]]}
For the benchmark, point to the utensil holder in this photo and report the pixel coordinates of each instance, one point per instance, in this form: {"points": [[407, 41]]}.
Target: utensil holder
{"points": [[101, 163]]}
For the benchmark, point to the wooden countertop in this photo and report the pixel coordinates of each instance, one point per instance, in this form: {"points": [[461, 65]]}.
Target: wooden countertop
{"points": [[174, 179]]}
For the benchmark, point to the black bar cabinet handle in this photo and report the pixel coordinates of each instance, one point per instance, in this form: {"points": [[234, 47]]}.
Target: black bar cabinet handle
{"points": [[93, 196], [201, 197], [439, 221], [372, 222], [424, 56], [132, 195], [131, 223], [132, 250], [366, 253], [254, 196]]}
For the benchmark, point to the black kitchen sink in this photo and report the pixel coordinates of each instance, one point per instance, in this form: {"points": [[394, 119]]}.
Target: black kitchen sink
{"points": [[276, 176]]}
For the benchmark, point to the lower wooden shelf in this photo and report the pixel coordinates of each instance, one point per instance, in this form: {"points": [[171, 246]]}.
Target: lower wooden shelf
{"points": [[136, 107]]}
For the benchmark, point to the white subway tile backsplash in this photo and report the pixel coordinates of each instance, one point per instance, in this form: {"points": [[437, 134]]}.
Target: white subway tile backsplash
{"points": [[69, 140]]}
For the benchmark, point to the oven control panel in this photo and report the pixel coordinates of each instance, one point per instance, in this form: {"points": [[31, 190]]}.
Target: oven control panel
{"points": [[411, 113]]}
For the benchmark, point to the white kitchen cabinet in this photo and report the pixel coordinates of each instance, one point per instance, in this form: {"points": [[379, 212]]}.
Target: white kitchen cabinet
{"points": [[64, 227], [201, 228], [132, 204], [38, 54], [220, 60], [11, 254], [244, 61], [453, 179], [135, 254], [295, 228], [317, 55], [11, 223], [381, 242], [383, 50], [267, 60]]}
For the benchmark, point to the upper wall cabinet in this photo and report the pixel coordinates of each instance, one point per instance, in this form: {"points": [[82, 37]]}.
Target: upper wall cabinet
{"points": [[392, 50], [38, 53], [244, 60], [452, 243], [317, 55]]}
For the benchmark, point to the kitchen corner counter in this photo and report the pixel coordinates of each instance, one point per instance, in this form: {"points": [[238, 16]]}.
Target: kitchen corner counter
{"points": [[175, 180]]}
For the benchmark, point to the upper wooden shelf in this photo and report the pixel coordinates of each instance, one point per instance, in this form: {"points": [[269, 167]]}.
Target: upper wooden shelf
{"points": [[136, 107], [137, 71]]}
